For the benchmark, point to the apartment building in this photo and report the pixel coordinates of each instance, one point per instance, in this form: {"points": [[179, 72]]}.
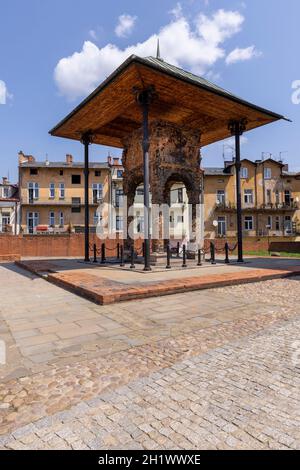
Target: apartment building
{"points": [[270, 199], [52, 194], [52, 199], [9, 207]]}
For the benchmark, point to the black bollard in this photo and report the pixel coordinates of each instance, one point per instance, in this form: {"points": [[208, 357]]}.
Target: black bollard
{"points": [[118, 251], [178, 250], [227, 253], [103, 259], [132, 266], [184, 256], [168, 257], [95, 253], [143, 247], [122, 264], [212, 253], [199, 258]]}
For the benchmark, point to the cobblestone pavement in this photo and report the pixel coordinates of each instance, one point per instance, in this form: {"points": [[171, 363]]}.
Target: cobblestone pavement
{"points": [[109, 376], [244, 395]]}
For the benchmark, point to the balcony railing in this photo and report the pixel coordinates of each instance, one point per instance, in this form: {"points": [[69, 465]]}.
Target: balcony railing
{"points": [[229, 207], [60, 201]]}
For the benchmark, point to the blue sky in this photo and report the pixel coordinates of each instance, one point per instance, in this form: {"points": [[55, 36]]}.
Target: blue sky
{"points": [[248, 47]]}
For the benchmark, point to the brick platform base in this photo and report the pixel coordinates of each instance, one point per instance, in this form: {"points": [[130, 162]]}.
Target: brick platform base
{"points": [[104, 291]]}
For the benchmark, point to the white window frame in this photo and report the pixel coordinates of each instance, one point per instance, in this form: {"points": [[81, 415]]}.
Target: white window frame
{"points": [[97, 217], [220, 196], [36, 190], [98, 189], [222, 223], [277, 221], [6, 192], [244, 173], [61, 218], [248, 196], [267, 173], [288, 225], [248, 223], [62, 191], [51, 219], [5, 218], [270, 222], [52, 190], [119, 223], [35, 217]]}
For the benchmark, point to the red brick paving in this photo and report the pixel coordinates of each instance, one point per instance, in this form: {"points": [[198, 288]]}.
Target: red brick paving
{"points": [[106, 291]]}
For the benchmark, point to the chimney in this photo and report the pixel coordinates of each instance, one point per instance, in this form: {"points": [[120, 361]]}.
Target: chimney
{"points": [[4, 180], [69, 159], [116, 161], [25, 158], [285, 167], [109, 159]]}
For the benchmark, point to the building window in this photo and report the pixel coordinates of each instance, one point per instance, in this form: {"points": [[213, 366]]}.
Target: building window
{"points": [[5, 220], [267, 173], [140, 191], [6, 192], [119, 197], [269, 196], [220, 196], [288, 225], [269, 223], [61, 219], [180, 196], [139, 223], [248, 196], [33, 171], [52, 191], [287, 198], [61, 172], [119, 223], [97, 173], [180, 219], [248, 223], [244, 172], [51, 219], [221, 226], [76, 201], [61, 190], [97, 192], [277, 223], [119, 173], [32, 221], [76, 179], [97, 218], [277, 196], [33, 191]]}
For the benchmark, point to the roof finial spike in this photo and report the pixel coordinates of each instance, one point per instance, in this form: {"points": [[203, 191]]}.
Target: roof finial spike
{"points": [[158, 50]]}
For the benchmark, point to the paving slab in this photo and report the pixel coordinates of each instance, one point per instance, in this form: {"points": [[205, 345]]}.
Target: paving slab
{"points": [[107, 285]]}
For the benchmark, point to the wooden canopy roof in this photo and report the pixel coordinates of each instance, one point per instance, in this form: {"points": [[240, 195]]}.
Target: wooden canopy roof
{"points": [[182, 98]]}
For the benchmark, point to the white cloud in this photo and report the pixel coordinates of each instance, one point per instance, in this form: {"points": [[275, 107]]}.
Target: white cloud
{"points": [[125, 25], [196, 45], [3, 92], [238, 55]]}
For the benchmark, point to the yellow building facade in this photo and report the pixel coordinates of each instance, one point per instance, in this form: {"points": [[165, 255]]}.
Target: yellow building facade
{"points": [[52, 194], [52, 199], [270, 200]]}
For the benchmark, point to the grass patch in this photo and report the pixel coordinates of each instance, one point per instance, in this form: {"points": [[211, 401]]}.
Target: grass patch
{"points": [[266, 253]]}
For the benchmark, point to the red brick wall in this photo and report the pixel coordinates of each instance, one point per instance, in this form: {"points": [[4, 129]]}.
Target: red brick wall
{"points": [[53, 245]]}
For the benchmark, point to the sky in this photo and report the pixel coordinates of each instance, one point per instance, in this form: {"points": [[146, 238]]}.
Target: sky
{"points": [[53, 53]]}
